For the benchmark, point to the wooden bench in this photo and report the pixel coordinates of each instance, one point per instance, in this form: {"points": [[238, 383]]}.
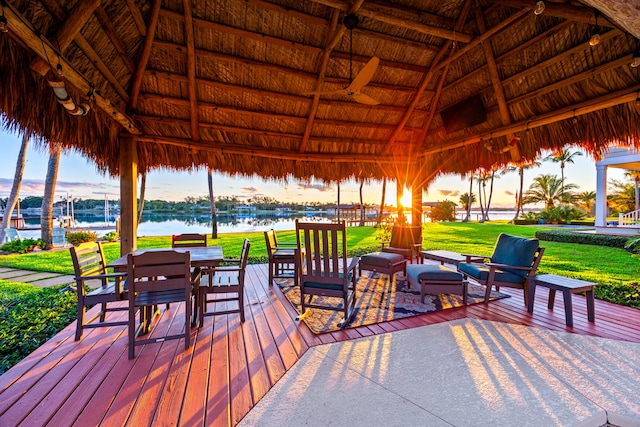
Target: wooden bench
{"points": [[568, 286]]}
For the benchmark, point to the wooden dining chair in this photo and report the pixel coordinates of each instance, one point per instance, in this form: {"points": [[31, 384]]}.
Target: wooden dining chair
{"points": [[282, 258], [89, 266], [159, 277], [226, 284], [189, 240]]}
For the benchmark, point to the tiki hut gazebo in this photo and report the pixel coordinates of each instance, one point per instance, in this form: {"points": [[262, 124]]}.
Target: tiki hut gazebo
{"points": [[257, 87]]}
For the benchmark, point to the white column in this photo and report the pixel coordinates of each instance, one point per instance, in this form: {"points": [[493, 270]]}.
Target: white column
{"points": [[601, 196]]}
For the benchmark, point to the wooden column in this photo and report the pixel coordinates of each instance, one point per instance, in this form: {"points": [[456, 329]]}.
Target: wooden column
{"points": [[399, 191], [128, 195], [416, 194]]}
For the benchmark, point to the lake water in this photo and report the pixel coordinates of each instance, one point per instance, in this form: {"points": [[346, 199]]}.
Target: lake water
{"points": [[163, 225]]}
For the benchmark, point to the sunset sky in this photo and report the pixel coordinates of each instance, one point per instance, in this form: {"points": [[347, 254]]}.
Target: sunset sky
{"points": [[78, 177]]}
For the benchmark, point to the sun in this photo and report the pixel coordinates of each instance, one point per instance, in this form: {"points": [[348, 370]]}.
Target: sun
{"points": [[405, 200]]}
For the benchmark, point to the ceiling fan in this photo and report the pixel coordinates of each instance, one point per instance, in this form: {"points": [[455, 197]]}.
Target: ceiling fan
{"points": [[363, 77]]}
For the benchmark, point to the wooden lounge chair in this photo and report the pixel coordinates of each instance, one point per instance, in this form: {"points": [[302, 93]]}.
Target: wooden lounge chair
{"points": [[10, 234], [404, 240], [226, 281], [324, 270], [513, 261], [159, 277], [282, 258], [89, 265]]}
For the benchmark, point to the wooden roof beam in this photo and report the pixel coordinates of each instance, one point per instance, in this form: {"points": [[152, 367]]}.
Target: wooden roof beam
{"points": [[191, 67], [570, 12], [115, 39], [144, 54], [70, 27], [425, 81], [22, 29], [225, 148], [264, 114], [137, 17], [498, 89], [606, 101], [400, 22]]}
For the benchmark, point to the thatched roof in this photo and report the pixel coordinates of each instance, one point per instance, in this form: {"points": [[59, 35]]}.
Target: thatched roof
{"points": [[225, 83]]}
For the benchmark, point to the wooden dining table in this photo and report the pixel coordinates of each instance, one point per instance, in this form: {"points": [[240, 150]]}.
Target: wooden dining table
{"points": [[209, 256]]}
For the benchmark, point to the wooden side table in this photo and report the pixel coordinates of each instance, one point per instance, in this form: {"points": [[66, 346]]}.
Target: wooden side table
{"points": [[568, 286]]}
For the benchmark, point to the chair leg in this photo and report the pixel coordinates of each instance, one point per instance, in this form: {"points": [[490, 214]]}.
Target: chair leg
{"points": [[241, 304], [132, 330], [103, 314], [80, 323], [487, 294], [271, 274]]}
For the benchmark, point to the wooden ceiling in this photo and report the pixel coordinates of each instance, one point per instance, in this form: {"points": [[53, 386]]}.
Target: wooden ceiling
{"points": [[225, 83]]}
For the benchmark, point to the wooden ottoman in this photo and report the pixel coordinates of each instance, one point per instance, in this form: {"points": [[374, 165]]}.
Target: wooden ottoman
{"points": [[383, 262], [437, 279]]}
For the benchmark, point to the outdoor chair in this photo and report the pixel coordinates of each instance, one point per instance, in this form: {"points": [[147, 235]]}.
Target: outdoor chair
{"points": [[324, 270], [513, 261], [189, 240], [404, 240], [10, 234], [282, 258], [159, 277], [226, 281], [89, 266], [58, 236]]}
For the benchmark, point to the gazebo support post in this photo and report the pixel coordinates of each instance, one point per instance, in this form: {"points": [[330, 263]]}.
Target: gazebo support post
{"points": [[416, 194], [128, 195]]}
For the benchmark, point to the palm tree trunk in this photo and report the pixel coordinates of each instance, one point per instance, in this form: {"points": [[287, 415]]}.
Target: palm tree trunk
{"points": [[486, 212], [384, 191], [15, 188], [468, 218], [46, 215], [212, 202], [519, 203], [637, 195], [361, 205], [480, 200], [143, 187]]}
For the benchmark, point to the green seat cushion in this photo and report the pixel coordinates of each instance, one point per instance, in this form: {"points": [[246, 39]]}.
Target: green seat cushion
{"points": [[284, 253], [481, 273], [381, 259], [431, 273], [330, 286]]}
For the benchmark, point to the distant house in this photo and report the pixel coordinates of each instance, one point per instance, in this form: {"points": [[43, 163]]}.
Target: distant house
{"points": [[245, 208]]}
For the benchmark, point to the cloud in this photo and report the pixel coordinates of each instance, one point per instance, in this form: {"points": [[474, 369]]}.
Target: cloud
{"points": [[449, 193], [249, 190], [35, 187], [509, 193], [319, 187]]}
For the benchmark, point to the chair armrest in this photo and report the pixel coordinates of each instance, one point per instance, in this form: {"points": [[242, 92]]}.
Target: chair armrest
{"points": [[507, 266], [289, 244], [120, 277], [354, 264], [475, 257]]}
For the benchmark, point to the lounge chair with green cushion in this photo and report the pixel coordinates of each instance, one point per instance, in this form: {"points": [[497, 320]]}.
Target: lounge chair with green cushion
{"points": [[513, 261]]}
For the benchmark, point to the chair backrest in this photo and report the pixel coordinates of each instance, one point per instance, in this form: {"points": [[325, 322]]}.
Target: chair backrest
{"points": [[10, 234], [158, 271], [271, 241], [244, 259], [189, 240], [58, 236], [88, 259], [324, 249], [517, 251], [403, 236]]}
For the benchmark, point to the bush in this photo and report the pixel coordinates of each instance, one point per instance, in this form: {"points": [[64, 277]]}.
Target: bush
{"points": [[443, 211], [565, 236], [22, 246], [29, 319], [80, 236], [111, 236]]}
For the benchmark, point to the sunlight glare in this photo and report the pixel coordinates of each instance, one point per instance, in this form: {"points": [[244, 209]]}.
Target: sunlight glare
{"points": [[405, 200]]}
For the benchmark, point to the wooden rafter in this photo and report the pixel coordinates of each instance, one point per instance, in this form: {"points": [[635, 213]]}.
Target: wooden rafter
{"points": [[70, 27], [402, 23], [426, 79], [570, 12], [498, 89], [224, 147], [115, 39], [137, 17], [191, 68], [144, 55], [606, 101], [21, 29]]}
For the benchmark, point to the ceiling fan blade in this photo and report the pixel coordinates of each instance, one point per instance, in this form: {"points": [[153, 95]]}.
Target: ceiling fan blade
{"points": [[365, 75], [364, 99]]}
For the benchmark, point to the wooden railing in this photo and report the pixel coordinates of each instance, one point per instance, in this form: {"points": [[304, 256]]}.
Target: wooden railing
{"points": [[629, 219]]}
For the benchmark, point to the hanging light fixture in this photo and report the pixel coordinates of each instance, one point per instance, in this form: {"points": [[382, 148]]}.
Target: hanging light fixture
{"points": [[64, 99], [3, 21], [595, 33], [539, 8]]}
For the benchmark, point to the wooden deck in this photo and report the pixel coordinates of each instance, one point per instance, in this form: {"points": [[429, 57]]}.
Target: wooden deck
{"points": [[229, 367]]}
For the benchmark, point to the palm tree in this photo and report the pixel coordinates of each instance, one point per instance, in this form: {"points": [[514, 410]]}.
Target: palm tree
{"points": [[15, 188], [466, 203], [46, 215], [620, 200], [482, 184], [523, 166], [384, 191], [212, 202], [361, 204], [635, 176], [468, 218], [143, 186], [493, 176], [548, 189], [563, 157], [586, 201]]}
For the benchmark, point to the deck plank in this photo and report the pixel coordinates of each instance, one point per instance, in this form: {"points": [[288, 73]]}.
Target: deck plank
{"points": [[231, 365]]}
